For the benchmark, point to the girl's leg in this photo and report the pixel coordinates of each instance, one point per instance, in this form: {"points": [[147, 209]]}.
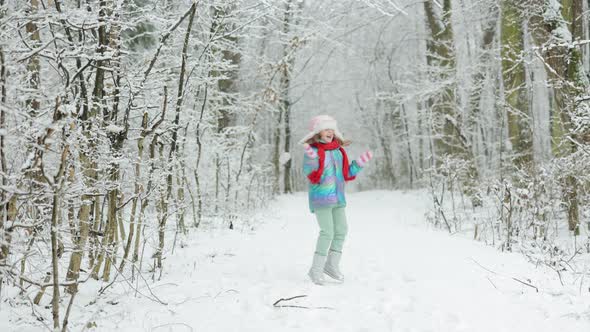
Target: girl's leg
{"points": [[340, 228], [332, 267], [326, 223]]}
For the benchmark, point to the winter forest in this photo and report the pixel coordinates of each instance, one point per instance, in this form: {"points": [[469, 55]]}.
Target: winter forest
{"points": [[130, 127]]}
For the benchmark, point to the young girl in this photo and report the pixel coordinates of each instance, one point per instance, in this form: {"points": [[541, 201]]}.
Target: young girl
{"points": [[327, 169]]}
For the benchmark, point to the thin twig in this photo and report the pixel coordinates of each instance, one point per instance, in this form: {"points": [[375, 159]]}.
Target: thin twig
{"points": [[288, 299], [513, 278], [526, 283], [491, 282], [296, 306], [172, 324], [483, 267]]}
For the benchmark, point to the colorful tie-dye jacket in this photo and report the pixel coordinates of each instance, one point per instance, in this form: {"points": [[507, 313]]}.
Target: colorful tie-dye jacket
{"points": [[330, 191]]}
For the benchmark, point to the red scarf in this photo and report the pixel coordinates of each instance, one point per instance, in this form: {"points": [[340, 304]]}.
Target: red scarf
{"points": [[316, 175]]}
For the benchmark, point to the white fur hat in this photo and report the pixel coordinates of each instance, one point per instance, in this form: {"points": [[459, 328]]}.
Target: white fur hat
{"points": [[319, 123]]}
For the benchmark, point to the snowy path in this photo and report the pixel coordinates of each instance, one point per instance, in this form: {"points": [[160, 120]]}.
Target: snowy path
{"points": [[400, 276]]}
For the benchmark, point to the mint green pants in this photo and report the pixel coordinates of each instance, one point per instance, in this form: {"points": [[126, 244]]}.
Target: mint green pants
{"points": [[333, 229]]}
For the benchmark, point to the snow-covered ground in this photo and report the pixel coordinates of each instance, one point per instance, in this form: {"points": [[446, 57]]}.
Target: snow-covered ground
{"points": [[400, 276]]}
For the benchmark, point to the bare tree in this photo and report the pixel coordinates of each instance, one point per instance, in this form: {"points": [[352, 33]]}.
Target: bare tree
{"points": [[450, 138]]}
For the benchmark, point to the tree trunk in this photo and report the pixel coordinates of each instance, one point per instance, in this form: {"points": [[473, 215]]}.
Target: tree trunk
{"points": [[59, 180], [277, 153], [198, 161], [117, 139], [79, 238], [411, 162], [98, 101], [138, 188], [287, 166], [565, 69], [55, 263], [450, 139], [173, 146], [226, 84], [181, 183], [514, 76], [4, 249], [33, 65], [79, 244], [476, 126], [288, 63], [89, 165], [144, 200]]}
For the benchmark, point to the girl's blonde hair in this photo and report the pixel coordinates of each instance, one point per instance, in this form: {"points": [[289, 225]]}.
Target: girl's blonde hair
{"points": [[316, 138]]}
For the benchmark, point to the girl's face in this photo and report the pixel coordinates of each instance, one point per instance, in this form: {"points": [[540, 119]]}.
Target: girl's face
{"points": [[327, 135]]}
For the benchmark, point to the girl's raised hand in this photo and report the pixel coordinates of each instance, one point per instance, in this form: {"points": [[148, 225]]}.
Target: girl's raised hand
{"points": [[364, 158], [309, 151]]}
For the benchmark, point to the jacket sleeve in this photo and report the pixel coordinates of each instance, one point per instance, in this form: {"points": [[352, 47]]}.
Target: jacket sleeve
{"points": [[354, 168], [310, 164]]}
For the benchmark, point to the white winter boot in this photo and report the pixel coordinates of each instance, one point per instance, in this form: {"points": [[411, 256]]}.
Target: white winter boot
{"points": [[332, 267], [316, 272]]}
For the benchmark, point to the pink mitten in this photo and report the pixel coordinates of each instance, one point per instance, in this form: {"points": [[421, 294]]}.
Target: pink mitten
{"points": [[309, 151], [364, 158]]}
